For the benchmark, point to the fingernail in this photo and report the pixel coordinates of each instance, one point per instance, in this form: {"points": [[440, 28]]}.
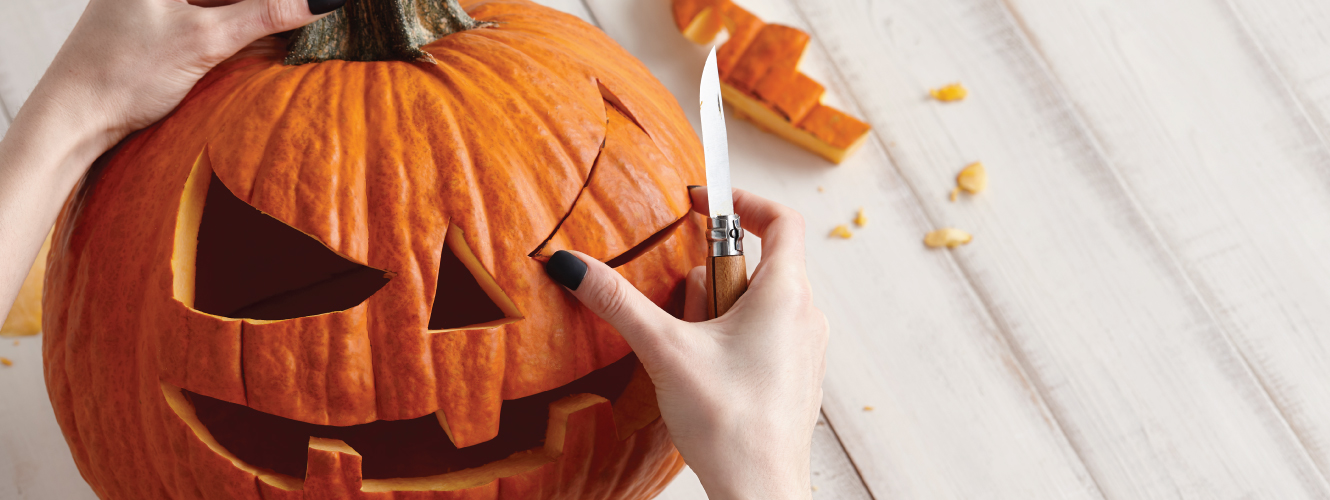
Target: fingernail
{"points": [[317, 7], [690, 188], [566, 269]]}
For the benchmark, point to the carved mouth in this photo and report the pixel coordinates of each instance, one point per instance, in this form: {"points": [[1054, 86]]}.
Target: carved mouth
{"points": [[276, 448]]}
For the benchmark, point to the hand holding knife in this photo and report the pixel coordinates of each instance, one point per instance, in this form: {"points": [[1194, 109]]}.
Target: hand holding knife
{"points": [[727, 273]]}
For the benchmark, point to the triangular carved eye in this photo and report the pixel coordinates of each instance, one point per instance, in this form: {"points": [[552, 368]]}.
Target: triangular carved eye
{"points": [[466, 296], [250, 265]]}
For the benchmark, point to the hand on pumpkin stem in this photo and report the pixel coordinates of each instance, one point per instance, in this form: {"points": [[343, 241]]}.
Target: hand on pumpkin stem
{"points": [[126, 65], [740, 394], [129, 62]]}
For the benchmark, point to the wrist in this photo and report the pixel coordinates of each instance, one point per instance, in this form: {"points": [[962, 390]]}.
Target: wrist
{"points": [[67, 126], [749, 463]]}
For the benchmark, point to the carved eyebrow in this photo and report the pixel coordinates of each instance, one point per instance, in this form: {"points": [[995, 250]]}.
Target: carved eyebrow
{"points": [[632, 199], [246, 264]]}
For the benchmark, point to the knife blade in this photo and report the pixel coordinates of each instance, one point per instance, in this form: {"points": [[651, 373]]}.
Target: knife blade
{"points": [[727, 273], [715, 144]]}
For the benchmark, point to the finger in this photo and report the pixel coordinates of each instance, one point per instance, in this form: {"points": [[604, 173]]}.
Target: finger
{"points": [[780, 227], [613, 298], [249, 20], [695, 296]]}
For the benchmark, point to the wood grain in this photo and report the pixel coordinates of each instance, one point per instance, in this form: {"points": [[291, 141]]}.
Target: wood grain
{"points": [[953, 414], [1231, 170], [727, 280], [30, 34], [1151, 392], [1273, 286], [35, 464]]}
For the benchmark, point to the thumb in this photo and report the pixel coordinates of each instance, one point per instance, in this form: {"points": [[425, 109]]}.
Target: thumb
{"points": [[613, 298], [254, 19]]}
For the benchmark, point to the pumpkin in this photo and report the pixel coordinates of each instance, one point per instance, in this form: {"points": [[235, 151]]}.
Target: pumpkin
{"points": [[759, 77], [325, 280]]}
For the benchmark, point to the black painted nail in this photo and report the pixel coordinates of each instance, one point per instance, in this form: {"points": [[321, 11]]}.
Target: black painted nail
{"points": [[317, 7], [566, 269], [692, 187]]}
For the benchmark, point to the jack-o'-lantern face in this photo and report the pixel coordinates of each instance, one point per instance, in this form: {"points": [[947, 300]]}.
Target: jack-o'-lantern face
{"points": [[338, 294]]}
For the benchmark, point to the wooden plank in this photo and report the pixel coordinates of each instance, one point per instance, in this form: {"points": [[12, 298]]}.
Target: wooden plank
{"points": [[1126, 352], [1229, 166], [34, 461], [953, 415], [834, 476], [1291, 36], [574, 7], [30, 34]]}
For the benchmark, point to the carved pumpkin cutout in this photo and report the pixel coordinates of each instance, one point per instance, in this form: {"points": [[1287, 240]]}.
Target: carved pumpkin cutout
{"points": [[250, 265], [430, 353]]}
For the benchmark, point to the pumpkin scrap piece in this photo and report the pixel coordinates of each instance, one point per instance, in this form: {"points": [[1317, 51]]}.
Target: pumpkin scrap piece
{"points": [[859, 218], [25, 318], [841, 231], [949, 93], [868, 408], [759, 77], [6, 362], [947, 237], [972, 179]]}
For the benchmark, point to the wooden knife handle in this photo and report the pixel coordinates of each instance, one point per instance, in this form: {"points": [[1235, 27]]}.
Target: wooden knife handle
{"points": [[727, 279]]}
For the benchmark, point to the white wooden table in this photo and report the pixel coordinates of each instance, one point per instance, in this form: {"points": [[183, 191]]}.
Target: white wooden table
{"points": [[1144, 311]]}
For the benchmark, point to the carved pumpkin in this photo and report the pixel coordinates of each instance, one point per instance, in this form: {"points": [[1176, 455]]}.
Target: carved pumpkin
{"points": [[325, 280]]}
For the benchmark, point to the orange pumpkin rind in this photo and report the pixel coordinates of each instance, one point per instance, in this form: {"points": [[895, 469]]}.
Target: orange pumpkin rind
{"points": [[759, 76]]}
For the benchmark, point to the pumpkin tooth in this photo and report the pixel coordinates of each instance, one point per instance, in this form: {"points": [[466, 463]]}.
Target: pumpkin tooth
{"points": [[333, 466], [443, 422]]}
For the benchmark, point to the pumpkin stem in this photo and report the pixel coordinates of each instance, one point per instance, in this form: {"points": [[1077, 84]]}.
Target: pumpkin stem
{"points": [[380, 30]]}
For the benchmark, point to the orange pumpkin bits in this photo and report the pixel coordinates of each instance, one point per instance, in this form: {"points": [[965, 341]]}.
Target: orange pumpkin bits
{"points": [[760, 78], [332, 293], [972, 179], [950, 92], [841, 231], [6, 362], [25, 317], [947, 237]]}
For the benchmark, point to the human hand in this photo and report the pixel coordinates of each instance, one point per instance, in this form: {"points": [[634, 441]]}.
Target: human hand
{"points": [[740, 394], [128, 63]]}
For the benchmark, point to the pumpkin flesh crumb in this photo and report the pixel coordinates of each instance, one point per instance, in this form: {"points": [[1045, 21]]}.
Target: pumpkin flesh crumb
{"points": [[842, 231], [859, 218], [950, 92], [947, 237], [972, 179], [6, 362]]}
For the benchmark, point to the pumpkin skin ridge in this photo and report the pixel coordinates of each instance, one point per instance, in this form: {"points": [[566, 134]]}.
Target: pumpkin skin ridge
{"points": [[437, 47], [116, 466], [436, 71]]}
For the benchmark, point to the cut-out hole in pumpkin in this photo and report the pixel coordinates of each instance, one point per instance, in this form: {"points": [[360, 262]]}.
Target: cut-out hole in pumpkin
{"points": [[647, 244], [411, 448], [250, 265], [466, 296]]}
